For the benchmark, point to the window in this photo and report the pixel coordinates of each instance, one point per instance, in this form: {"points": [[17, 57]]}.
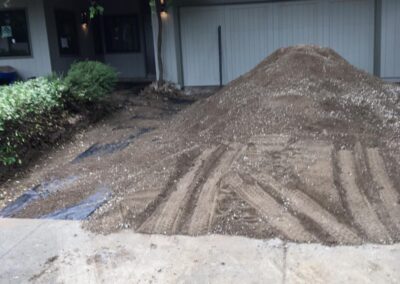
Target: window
{"points": [[122, 33], [97, 35], [14, 38], [67, 34]]}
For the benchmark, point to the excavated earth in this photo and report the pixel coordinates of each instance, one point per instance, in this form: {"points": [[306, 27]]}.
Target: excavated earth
{"points": [[304, 147]]}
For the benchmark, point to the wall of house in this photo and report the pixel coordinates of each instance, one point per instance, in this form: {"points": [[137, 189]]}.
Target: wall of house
{"points": [[252, 32], [61, 63], [390, 40], [218, 2], [129, 65], [171, 47], [38, 64]]}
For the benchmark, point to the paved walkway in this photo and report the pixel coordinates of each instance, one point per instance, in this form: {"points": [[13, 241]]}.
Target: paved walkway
{"points": [[45, 251]]}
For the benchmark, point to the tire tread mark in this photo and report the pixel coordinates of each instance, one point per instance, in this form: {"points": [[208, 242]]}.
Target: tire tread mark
{"points": [[371, 188], [337, 182], [282, 220], [186, 160], [388, 194], [166, 219], [304, 206], [360, 207], [200, 218]]}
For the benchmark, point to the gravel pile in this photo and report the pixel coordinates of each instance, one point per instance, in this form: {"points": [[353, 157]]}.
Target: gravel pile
{"points": [[299, 90], [307, 93]]}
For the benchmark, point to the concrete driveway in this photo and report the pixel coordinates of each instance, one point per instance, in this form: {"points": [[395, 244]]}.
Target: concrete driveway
{"points": [[48, 251]]}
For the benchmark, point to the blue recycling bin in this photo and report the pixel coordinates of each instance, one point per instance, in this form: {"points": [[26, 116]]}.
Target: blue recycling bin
{"points": [[8, 75]]}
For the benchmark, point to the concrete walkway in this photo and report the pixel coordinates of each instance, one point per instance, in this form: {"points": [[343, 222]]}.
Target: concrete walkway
{"points": [[45, 251]]}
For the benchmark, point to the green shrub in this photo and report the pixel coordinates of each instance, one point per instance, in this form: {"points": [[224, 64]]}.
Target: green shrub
{"points": [[31, 110], [90, 80], [23, 106]]}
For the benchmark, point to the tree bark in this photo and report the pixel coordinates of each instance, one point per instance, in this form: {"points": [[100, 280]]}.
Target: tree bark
{"points": [[159, 44]]}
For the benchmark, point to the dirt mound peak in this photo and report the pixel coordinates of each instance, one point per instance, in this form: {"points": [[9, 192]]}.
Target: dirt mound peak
{"points": [[300, 90]]}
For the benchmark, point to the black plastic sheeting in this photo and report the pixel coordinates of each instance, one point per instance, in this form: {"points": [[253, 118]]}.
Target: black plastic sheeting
{"points": [[181, 101], [99, 150], [20, 203], [84, 209], [38, 192]]}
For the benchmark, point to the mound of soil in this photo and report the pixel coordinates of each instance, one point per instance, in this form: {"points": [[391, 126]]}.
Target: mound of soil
{"points": [[297, 90], [304, 147]]}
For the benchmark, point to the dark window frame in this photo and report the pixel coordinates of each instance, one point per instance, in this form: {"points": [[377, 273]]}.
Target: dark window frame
{"points": [[98, 37], [107, 34], [75, 51], [28, 35]]}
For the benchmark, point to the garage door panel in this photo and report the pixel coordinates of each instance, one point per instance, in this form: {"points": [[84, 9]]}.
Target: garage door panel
{"points": [[298, 23], [251, 32], [351, 24], [390, 67], [200, 59], [248, 38]]}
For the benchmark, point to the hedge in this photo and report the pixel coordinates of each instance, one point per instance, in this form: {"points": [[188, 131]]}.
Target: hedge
{"points": [[90, 80], [27, 108]]}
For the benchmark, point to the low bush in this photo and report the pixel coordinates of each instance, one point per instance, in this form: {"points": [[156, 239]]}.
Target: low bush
{"points": [[31, 110], [90, 80], [22, 107]]}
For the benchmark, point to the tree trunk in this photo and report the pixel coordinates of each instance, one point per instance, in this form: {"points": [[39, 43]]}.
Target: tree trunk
{"points": [[159, 44]]}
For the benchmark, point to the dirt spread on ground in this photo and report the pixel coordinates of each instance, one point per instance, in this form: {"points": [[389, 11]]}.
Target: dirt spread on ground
{"points": [[304, 147]]}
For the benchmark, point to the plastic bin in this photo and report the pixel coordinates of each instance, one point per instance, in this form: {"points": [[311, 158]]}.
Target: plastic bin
{"points": [[8, 75]]}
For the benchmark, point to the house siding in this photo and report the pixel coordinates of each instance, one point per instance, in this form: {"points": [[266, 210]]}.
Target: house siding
{"points": [[61, 63], [251, 32], [366, 32], [38, 64], [129, 65], [171, 46], [390, 40]]}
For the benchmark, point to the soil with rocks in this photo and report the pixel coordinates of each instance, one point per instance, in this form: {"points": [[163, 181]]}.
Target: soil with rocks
{"points": [[56, 173], [304, 147]]}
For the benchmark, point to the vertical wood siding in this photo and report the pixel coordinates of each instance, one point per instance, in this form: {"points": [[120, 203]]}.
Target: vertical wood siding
{"points": [[248, 42], [251, 32], [169, 51], [390, 44], [199, 30], [351, 31], [297, 23]]}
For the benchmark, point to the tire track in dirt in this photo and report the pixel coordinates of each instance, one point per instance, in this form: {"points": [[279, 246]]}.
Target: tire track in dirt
{"points": [[184, 161], [166, 219], [204, 208], [359, 206], [307, 222], [272, 210], [338, 184], [310, 170], [388, 194], [371, 189], [306, 207]]}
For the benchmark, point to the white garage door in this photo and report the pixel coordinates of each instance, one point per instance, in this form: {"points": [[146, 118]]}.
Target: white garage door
{"points": [[252, 32]]}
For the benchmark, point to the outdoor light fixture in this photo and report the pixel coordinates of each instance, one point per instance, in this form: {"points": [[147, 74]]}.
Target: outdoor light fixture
{"points": [[163, 6], [84, 18], [163, 9]]}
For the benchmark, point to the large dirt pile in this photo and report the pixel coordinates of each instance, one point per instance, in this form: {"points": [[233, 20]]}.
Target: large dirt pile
{"points": [[304, 147], [298, 90]]}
